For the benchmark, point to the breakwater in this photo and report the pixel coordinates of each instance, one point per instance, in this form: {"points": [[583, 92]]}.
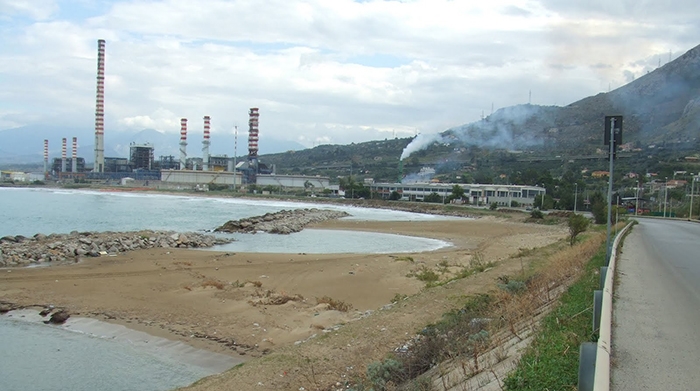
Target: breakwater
{"points": [[61, 248]]}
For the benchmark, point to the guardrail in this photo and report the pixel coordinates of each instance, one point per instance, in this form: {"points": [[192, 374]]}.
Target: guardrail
{"points": [[594, 358]]}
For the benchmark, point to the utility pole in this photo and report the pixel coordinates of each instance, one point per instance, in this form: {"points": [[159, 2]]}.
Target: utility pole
{"points": [[575, 196], [692, 191], [612, 136], [665, 196]]}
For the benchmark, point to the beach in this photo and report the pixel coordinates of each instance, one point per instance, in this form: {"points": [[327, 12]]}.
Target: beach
{"points": [[257, 306]]}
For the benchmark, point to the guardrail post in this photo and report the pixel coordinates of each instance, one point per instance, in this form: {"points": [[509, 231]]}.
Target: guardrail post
{"points": [[586, 366], [597, 309], [603, 273]]}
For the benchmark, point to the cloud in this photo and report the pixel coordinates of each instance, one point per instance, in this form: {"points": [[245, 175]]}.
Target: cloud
{"points": [[35, 9], [320, 72]]}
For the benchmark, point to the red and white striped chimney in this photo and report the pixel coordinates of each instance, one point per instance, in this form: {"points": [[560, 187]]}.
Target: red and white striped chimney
{"points": [[206, 143], [183, 143], [63, 155], [100, 109], [74, 160], [253, 133], [46, 157]]}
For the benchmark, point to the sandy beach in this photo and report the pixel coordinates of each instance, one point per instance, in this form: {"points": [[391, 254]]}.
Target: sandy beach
{"points": [[262, 307]]}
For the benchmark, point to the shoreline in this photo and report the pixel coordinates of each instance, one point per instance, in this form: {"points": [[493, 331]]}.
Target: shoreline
{"points": [[206, 359], [270, 303]]}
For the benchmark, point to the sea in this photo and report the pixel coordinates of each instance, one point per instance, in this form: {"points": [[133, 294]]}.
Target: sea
{"points": [[86, 354]]}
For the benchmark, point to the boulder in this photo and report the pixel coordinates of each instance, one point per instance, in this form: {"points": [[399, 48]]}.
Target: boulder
{"points": [[59, 317]]}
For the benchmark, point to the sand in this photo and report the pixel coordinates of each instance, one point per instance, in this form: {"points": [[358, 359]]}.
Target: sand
{"points": [[252, 305]]}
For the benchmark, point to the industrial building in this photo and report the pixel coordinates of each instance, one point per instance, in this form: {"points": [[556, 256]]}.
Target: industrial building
{"points": [[141, 156], [502, 195], [179, 171]]}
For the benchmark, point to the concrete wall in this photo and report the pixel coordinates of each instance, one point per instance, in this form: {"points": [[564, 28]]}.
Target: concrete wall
{"points": [[200, 177]]}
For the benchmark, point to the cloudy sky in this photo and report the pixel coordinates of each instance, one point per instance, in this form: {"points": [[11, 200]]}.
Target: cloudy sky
{"points": [[323, 71]]}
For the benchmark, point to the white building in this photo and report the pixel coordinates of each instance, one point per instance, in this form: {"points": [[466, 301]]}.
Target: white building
{"points": [[503, 195]]}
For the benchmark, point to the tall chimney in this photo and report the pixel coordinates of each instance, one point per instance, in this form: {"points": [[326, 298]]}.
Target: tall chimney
{"points": [[206, 143], [63, 155], [100, 109], [253, 133], [183, 143], [46, 158], [74, 160]]}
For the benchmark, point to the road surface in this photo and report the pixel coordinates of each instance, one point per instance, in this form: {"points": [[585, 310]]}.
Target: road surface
{"points": [[656, 315]]}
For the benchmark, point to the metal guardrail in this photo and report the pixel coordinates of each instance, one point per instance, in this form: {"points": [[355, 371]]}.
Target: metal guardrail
{"points": [[594, 358]]}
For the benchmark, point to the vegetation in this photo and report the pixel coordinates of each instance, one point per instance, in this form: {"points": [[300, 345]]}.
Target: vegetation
{"points": [[551, 362], [578, 223]]}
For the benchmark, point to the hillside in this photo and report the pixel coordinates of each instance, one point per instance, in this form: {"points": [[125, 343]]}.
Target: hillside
{"points": [[662, 107]]}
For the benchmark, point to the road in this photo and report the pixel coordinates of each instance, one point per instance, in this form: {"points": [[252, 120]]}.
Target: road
{"points": [[656, 314]]}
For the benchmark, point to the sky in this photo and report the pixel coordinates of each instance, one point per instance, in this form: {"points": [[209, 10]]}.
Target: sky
{"points": [[323, 71]]}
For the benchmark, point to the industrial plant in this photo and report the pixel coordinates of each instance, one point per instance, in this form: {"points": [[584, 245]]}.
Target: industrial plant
{"points": [[169, 171]]}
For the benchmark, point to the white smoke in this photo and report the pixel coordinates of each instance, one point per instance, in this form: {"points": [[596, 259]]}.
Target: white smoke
{"points": [[421, 141]]}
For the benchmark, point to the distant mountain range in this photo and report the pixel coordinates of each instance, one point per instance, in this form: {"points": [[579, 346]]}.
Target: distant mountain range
{"points": [[25, 144]]}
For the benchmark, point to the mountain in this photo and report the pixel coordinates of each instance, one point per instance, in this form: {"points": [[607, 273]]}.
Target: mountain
{"points": [[25, 144], [660, 107]]}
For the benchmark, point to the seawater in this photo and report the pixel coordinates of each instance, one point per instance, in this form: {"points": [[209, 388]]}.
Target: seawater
{"points": [[34, 356], [39, 357], [31, 211]]}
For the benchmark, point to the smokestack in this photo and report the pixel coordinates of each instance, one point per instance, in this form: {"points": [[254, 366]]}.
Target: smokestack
{"points": [[253, 133], [100, 109], [206, 143], [74, 160], [46, 158], [63, 155], [183, 143]]}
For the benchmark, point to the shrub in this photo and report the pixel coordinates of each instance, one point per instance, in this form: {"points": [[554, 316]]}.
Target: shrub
{"points": [[536, 214], [493, 206], [577, 224], [383, 372]]}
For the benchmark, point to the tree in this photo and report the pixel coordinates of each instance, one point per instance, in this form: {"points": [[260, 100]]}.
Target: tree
{"points": [[598, 208], [577, 224], [433, 197], [457, 192], [395, 196]]}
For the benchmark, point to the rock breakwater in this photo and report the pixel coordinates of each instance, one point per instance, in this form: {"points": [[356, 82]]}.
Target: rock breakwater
{"points": [[39, 249], [282, 222]]}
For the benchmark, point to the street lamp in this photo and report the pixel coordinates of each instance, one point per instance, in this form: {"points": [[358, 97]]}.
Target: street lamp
{"points": [[575, 196], [636, 206]]}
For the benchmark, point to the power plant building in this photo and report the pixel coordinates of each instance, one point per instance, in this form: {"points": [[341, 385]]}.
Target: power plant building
{"points": [[141, 156]]}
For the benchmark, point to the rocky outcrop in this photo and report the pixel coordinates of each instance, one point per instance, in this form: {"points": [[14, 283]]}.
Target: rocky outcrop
{"points": [[282, 222], [20, 250], [59, 317]]}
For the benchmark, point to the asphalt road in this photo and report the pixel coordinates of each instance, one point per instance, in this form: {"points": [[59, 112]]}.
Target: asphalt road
{"points": [[656, 310]]}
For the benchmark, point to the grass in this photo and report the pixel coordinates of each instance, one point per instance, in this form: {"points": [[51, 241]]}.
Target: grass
{"points": [[462, 336], [551, 362]]}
